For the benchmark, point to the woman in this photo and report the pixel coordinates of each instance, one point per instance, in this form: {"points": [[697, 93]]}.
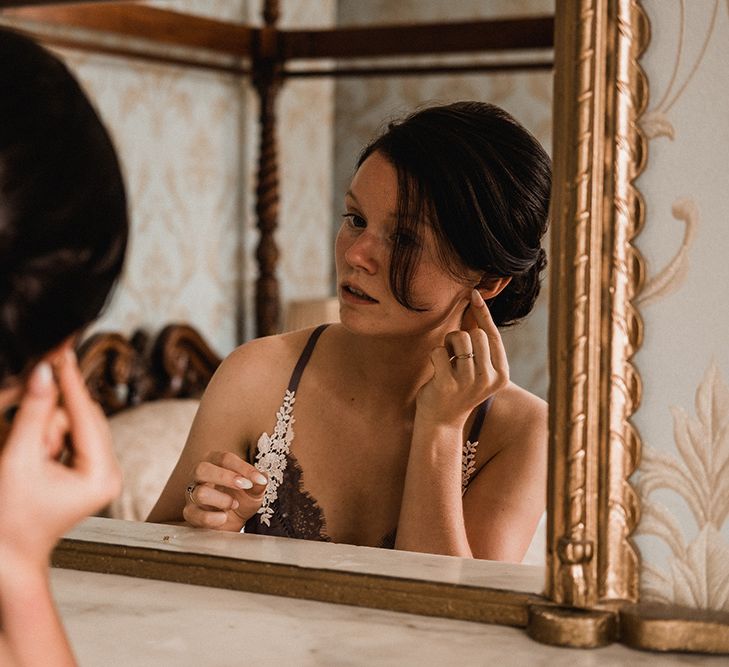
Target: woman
{"points": [[63, 232], [399, 426]]}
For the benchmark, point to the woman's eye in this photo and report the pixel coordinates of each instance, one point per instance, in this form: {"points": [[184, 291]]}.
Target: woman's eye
{"points": [[354, 220]]}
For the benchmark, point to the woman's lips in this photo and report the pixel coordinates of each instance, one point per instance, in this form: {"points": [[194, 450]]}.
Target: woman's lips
{"points": [[354, 294]]}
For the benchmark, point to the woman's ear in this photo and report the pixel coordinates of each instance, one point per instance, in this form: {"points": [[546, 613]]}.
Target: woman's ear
{"points": [[489, 286]]}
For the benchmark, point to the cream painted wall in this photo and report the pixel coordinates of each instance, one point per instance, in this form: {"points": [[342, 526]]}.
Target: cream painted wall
{"points": [[683, 479], [363, 107]]}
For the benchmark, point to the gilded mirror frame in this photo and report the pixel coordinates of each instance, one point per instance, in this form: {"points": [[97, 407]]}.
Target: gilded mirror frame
{"points": [[600, 91], [592, 567]]}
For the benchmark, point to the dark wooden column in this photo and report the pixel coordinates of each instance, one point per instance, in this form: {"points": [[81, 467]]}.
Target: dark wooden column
{"points": [[267, 82]]}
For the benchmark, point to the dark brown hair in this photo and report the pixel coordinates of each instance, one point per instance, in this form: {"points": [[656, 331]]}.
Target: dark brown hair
{"points": [[63, 213], [483, 183]]}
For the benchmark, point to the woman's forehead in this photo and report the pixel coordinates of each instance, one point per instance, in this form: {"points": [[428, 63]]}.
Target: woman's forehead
{"points": [[375, 180]]}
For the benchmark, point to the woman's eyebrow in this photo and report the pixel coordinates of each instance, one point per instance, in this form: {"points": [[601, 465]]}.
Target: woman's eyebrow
{"points": [[392, 215]]}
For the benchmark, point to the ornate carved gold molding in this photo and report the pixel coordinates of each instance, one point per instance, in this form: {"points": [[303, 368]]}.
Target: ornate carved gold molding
{"points": [[599, 92], [618, 512]]}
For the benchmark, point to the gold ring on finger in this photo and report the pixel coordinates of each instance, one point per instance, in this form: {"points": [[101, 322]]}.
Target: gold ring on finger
{"points": [[461, 356], [190, 490]]}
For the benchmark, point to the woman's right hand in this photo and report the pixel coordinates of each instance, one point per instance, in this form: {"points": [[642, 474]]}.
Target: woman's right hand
{"points": [[224, 492]]}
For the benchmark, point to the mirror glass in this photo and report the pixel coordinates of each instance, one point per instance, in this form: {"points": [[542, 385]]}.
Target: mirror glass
{"points": [[188, 141], [364, 105]]}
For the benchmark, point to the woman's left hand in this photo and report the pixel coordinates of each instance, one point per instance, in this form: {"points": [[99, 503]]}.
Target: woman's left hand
{"points": [[468, 368], [40, 497]]}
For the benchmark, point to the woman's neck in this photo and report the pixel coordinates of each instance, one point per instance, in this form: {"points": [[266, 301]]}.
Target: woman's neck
{"points": [[396, 365]]}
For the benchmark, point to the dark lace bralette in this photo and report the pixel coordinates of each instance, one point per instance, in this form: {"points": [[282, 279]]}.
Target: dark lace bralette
{"points": [[295, 513]]}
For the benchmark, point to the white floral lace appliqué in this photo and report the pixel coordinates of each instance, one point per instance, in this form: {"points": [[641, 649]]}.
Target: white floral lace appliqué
{"points": [[272, 454], [273, 451], [469, 464]]}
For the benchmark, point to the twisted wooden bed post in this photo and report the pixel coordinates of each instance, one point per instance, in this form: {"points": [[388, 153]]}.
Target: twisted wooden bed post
{"points": [[267, 82]]}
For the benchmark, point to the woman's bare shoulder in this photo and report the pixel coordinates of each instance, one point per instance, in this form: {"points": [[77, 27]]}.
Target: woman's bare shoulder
{"points": [[517, 419], [267, 356], [256, 375], [526, 408]]}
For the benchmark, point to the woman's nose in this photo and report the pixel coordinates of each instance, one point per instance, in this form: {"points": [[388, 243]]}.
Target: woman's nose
{"points": [[363, 253]]}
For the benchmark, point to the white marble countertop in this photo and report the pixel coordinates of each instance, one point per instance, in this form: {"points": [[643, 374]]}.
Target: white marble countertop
{"points": [[115, 620]]}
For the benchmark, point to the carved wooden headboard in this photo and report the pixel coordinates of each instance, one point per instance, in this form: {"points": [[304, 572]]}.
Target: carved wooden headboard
{"points": [[122, 373]]}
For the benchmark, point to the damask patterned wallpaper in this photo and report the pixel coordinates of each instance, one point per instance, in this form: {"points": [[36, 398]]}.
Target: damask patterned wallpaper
{"points": [[176, 132], [363, 107], [206, 275], [188, 143], [683, 480]]}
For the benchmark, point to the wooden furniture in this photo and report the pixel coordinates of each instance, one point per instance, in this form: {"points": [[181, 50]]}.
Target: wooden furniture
{"points": [[122, 373], [265, 54], [148, 387]]}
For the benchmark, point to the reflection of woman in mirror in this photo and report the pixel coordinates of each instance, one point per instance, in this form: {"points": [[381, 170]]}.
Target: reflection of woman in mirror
{"points": [[63, 231], [399, 426]]}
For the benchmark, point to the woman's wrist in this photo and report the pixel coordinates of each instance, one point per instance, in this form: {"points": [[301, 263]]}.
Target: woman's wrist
{"points": [[437, 442], [440, 425], [19, 572]]}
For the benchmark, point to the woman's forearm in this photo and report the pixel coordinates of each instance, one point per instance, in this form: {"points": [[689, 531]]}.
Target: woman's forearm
{"points": [[431, 514], [30, 624]]}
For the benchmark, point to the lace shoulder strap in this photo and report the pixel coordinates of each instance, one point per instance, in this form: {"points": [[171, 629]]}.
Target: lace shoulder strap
{"points": [[273, 450], [469, 447]]}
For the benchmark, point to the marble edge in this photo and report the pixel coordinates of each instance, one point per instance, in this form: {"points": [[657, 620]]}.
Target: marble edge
{"points": [[313, 555]]}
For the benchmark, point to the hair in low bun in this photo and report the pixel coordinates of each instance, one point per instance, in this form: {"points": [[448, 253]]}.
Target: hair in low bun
{"points": [[482, 181], [517, 299]]}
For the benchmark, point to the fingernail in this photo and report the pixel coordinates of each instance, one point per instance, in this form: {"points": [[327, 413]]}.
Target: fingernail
{"points": [[477, 299], [42, 376], [235, 504], [259, 479], [243, 483]]}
